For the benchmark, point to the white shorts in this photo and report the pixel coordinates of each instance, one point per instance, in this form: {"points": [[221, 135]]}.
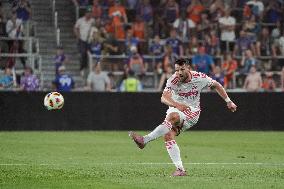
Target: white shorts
{"points": [[188, 117]]}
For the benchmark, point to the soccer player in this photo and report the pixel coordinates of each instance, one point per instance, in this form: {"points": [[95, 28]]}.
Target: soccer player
{"points": [[182, 95]]}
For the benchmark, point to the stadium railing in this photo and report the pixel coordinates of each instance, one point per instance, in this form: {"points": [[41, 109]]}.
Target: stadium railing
{"points": [[55, 22]]}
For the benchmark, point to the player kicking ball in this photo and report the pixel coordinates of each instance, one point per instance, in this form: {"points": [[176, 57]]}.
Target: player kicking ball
{"points": [[182, 95]]}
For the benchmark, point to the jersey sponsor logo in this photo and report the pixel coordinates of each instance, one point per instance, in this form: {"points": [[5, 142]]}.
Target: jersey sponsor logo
{"points": [[175, 81], [192, 93]]}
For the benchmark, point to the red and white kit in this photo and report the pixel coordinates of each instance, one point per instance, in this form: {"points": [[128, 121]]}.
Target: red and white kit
{"points": [[189, 94]]}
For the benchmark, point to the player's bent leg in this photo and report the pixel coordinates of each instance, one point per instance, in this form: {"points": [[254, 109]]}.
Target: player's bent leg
{"points": [[171, 120], [174, 153]]}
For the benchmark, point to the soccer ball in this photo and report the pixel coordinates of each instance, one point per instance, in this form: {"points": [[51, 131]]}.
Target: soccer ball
{"points": [[53, 101]]}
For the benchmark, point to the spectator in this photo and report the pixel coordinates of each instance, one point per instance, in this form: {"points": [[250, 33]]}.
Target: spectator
{"points": [[273, 12], [248, 60], [194, 11], [227, 25], [216, 10], [2, 26], [118, 16], [131, 83], [269, 84], [97, 80], [131, 9], [96, 46], [252, 28], [192, 46], [218, 75], [139, 29], [111, 45], [175, 43], [171, 11], [282, 79], [203, 62], [97, 10], [130, 41], [82, 3], [81, 30], [156, 49], [253, 81], [136, 62], [160, 27], [14, 29], [275, 36], [280, 44], [7, 81], [243, 43], [165, 76], [184, 26], [169, 57], [63, 82], [29, 81], [112, 81], [23, 10], [212, 43], [60, 59], [145, 10], [203, 27], [229, 67], [264, 43]]}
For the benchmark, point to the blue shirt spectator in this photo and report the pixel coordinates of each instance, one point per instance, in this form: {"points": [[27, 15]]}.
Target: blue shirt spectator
{"points": [[6, 81], [203, 62], [23, 10], [63, 82], [175, 43], [59, 58]]}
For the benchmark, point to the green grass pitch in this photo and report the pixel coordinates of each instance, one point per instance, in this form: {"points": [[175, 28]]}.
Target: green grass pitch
{"points": [[110, 160]]}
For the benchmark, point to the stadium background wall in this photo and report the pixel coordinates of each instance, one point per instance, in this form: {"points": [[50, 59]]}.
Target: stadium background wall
{"points": [[136, 111]]}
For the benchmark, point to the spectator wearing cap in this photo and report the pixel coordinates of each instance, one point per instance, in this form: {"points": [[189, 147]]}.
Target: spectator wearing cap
{"points": [[203, 62], [98, 81], [60, 58], [63, 82], [228, 36], [29, 81], [175, 43], [82, 30], [131, 83], [118, 16]]}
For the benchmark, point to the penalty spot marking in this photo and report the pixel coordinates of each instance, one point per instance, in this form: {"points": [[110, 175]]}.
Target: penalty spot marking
{"points": [[145, 163]]}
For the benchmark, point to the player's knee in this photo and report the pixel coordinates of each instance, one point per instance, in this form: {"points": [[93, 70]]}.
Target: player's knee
{"points": [[173, 118], [169, 136]]}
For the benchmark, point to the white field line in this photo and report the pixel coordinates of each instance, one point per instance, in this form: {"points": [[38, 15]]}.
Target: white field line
{"points": [[143, 163]]}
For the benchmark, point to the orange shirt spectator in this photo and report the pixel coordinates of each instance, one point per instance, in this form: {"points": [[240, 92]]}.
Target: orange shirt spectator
{"points": [[139, 28], [269, 83], [118, 15], [229, 67], [96, 9], [194, 11]]}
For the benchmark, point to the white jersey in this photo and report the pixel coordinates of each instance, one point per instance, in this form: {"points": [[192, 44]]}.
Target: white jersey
{"points": [[188, 93]]}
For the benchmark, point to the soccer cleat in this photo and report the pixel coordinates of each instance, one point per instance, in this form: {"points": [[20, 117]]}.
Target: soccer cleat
{"points": [[179, 173], [139, 140]]}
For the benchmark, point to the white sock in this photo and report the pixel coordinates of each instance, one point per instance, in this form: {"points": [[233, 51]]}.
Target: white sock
{"points": [[161, 130], [174, 153]]}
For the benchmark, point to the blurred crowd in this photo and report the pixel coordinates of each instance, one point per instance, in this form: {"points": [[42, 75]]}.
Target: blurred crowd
{"points": [[224, 38], [12, 32]]}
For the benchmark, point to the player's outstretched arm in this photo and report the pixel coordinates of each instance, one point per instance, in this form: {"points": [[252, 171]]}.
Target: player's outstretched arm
{"points": [[221, 91], [167, 99]]}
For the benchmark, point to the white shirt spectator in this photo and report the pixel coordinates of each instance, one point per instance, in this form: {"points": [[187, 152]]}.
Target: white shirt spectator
{"points": [[14, 30], [98, 81], [281, 45], [84, 27], [227, 35], [183, 26]]}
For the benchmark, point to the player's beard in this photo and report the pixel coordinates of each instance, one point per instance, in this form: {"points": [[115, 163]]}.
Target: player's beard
{"points": [[183, 77]]}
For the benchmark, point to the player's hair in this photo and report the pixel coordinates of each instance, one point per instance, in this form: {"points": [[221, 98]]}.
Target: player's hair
{"points": [[183, 61]]}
